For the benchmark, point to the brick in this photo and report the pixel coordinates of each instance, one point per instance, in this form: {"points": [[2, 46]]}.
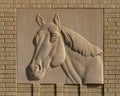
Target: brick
{"points": [[10, 93], [1, 40], [9, 23], [102, 5], [117, 41], [6, 36], [117, 6], [40, 1], [6, 45], [5, 54], [91, 5], [110, 24], [10, 76], [10, 89], [110, 10], [6, 71], [2, 58], [10, 49], [110, 94], [98, 1], [112, 37], [109, 50], [118, 14], [11, 85], [2, 5], [118, 24], [111, 5], [10, 58], [8, 10], [1, 14], [110, 14], [24, 89], [1, 76], [87, 1], [8, 1], [113, 63], [32, 1], [28, 5], [10, 6], [95, 94], [10, 32], [6, 19], [56, 5], [117, 32], [113, 90], [24, 85], [6, 62], [24, 94], [111, 68], [2, 67], [112, 58], [94, 90], [44, 6], [6, 80], [21, 1], [6, 27], [117, 50], [109, 41], [1, 23], [109, 33], [10, 67], [74, 1], [110, 85], [74, 5], [117, 94], [113, 72], [9, 14], [112, 54], [114, 28], [10, 40], [113, 19], [111, 1]]}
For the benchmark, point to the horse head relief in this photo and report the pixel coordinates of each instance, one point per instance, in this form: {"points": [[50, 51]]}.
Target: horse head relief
{"points": [[59, 46]]}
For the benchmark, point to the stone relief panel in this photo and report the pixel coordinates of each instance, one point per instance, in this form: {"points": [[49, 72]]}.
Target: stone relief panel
{"points": [[60, 46]]}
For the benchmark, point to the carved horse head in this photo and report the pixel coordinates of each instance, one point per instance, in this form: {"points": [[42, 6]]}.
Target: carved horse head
{"points": [[49, 48]]}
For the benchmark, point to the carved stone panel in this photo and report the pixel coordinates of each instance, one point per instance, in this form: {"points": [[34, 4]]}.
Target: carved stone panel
{"points": [[60, 46]]}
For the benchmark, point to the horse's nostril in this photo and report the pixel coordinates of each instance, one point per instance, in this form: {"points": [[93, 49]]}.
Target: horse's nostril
{"points": [[39, 67]]}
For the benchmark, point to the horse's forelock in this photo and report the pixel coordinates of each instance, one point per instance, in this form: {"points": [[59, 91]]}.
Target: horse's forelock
{"points": [[54, 30]]}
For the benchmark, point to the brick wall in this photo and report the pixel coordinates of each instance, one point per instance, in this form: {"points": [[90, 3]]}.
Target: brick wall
{"points": [[8, 54]]}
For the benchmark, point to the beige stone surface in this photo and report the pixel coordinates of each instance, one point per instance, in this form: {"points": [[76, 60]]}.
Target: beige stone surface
{"points": [[111, 15], [86, 22]]}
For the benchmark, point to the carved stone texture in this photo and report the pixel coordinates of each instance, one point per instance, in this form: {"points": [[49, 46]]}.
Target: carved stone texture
{"points": [[59, 48]]}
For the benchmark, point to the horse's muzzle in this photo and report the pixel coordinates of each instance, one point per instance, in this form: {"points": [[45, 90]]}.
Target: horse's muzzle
{"points": [[36, 72]]}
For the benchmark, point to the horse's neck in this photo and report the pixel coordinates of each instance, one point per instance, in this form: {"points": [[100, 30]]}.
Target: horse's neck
{"points": [[75, 58], [73, 66]]}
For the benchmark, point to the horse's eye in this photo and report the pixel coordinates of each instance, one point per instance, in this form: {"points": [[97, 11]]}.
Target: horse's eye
{"points": [[54, 40]]}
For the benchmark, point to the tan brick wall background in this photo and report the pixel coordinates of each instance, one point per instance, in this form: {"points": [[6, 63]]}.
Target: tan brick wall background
{"points": [[8, 54]]}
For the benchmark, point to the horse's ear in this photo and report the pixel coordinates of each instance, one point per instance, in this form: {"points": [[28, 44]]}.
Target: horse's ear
{"points": [[40, 21], [56, 20]]}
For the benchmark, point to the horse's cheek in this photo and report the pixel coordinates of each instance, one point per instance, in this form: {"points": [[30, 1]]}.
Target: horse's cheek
{"points": [[60, 55]]}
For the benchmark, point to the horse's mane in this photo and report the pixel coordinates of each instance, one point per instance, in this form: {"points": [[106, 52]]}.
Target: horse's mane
{"points": [[79, 44]]}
